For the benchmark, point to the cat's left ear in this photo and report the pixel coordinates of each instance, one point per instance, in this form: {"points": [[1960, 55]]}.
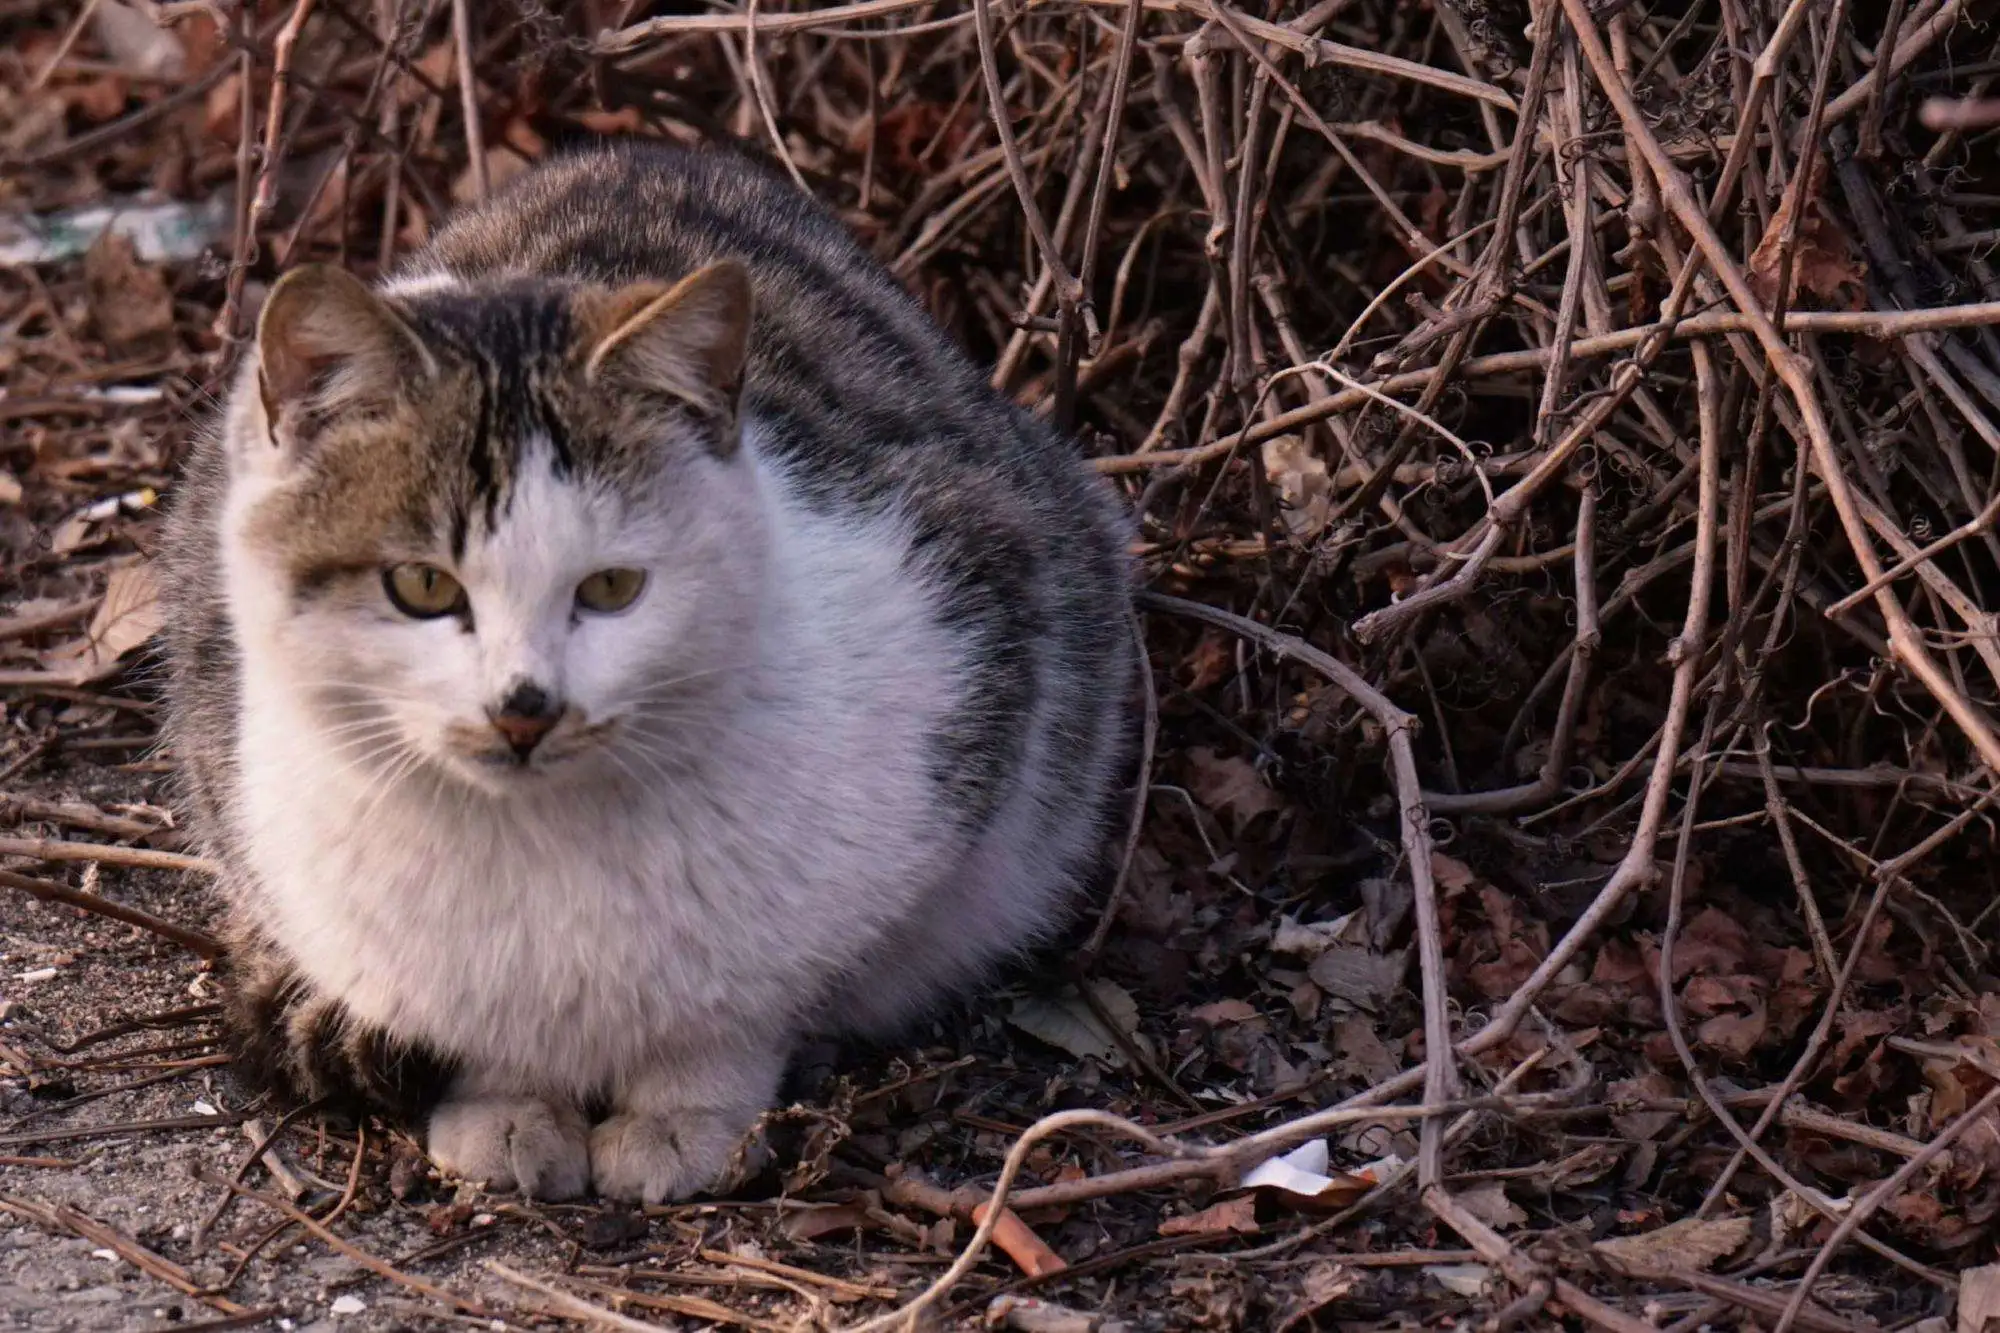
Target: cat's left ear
{"points": [[687, 341]]}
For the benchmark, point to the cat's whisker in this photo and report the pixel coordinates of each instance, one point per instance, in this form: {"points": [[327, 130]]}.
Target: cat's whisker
{"points": [[396, 776]]}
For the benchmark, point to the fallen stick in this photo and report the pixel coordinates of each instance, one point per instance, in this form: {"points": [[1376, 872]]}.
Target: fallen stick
{"points": [[142, 858], [198, 942]]}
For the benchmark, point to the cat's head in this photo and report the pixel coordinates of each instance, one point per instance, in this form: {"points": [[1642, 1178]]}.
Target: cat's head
{"points": [[505, 531]]}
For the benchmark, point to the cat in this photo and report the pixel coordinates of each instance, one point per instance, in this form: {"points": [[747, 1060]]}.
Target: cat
{"points": [[625, 642]]}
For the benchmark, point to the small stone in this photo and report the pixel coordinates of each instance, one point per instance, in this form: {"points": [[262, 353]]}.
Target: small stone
{"points": [[348, 1305]]}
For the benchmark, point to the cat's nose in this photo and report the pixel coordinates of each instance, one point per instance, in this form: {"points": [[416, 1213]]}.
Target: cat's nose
{"points": [[525, 716]]}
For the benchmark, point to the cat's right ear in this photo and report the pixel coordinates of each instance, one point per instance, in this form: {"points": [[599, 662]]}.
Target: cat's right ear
{"points": [[327, 344]]}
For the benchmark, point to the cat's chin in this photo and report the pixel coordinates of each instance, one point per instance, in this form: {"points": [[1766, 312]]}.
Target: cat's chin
{"points": [[505, 775]]}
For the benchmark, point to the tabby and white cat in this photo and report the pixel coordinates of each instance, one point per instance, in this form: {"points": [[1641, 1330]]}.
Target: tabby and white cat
{"points": [[590, 687]]}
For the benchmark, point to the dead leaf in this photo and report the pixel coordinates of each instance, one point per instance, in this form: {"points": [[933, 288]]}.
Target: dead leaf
{"points": [[1304, 488], [1068, 1023], [1324, 1283], [1694, 1243], [1363, 979], [1469, 1280], [1825, 262], [1211, 662], [1229, 785], [1712, 941], [1224, 1011], [1362, 1051], [129, 614], [1979, 1299], [1520, 946], [518, 149], [1619, 964], [1734, 1035], [1488, 1202], [98, 99], [1236, 1216], [1309, 939], [1452, 875], [130, 305], [813, 1223], [126, 618], [137, 43], [1643, 1125]]}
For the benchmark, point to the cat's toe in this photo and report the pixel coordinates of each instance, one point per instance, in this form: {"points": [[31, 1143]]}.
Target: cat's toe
{"points": [[512, 1143], [659, 1158]]}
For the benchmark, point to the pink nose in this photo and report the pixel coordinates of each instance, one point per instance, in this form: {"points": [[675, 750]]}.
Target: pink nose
{"points": [[524, 733]]}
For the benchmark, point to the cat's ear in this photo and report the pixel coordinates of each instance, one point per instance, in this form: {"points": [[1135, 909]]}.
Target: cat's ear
{"points": [[325, 343], [688, 341]]}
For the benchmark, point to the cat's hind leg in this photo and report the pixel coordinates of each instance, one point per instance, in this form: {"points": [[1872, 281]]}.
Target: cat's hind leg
{"points": [[290, 1039]]}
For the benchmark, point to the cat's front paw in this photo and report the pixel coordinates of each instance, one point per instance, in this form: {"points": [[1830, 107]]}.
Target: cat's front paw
{"points": [[513, 1143], [659, 1158]]}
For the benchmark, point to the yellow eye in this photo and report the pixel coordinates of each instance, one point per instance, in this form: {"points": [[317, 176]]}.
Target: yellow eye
{"points": [[423, 591], [610, 590]]}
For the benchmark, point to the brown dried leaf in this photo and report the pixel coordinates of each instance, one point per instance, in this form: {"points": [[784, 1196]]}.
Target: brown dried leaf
{"points": [[1619, 964], [130, 305], [1979, 1299], [1488, 1202], [1713, 941], [1734, 1035], [1229, 785], [1305, 490], [1642, 1125], [812, 1223], [1825, 261], [1322, 1285], [129, 614], [1452, 875], [1068, 1023], [1361, 978], [136, 42], [1693, 1244], [1362, 1051], [1212, 661], [97, 100], [1236, 1216], [1224, 1011], [127, 617], [1520, 947]]}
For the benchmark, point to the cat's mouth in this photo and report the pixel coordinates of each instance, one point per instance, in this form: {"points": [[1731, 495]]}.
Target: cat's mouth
{"points": [[493, 759]]}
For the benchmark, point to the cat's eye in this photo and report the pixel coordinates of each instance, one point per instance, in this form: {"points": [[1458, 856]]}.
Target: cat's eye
{"points": [[423, 591], [610, 590]]}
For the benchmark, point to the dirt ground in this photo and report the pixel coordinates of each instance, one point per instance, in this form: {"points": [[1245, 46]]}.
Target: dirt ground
{"points": [[119, 1130]]}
